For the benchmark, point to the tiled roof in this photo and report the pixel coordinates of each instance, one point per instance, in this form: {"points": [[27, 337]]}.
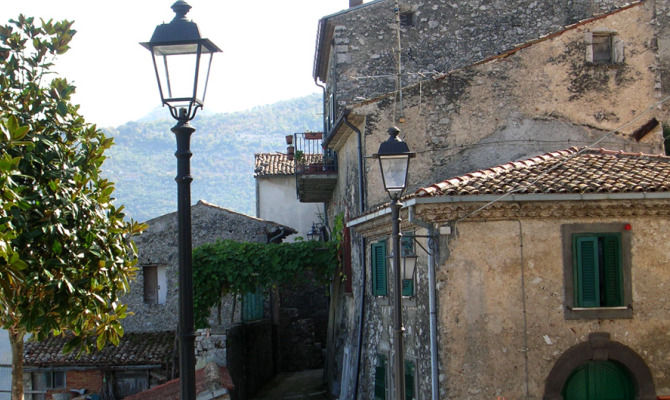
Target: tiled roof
{"points": [[574, 171], [212, 378], [270, 164], [274, 164], [135, 348]]}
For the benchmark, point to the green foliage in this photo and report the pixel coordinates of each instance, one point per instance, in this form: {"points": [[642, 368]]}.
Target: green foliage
{"points": [[229, 267], [65, 249]]}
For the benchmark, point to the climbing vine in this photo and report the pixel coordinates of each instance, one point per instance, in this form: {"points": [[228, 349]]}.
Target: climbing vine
{"points": [[233, 268]]}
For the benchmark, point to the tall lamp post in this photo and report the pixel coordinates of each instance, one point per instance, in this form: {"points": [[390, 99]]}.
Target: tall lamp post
{"points": [[394, 155], [177, 51]]}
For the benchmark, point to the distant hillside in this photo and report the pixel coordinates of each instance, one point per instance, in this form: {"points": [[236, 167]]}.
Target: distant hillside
{"points": [[143, 165]]}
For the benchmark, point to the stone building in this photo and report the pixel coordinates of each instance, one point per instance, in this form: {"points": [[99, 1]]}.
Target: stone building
{"points": [[356, 48], [554, 292], [147, 355], [154, 295], [523, 78]]}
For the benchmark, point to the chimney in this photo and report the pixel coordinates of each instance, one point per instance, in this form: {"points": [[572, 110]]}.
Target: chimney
{"points": [[354, 3]]}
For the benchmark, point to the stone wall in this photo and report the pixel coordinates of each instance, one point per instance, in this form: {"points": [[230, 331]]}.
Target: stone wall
{"points": [[158, 245], [446, 35], [540, 98]]}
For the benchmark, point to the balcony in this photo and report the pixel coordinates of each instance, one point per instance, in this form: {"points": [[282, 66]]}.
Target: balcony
{"points": [[315, 169]]}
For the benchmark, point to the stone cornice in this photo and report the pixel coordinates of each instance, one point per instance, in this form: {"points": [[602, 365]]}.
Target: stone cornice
{"points": [[443, 213]]}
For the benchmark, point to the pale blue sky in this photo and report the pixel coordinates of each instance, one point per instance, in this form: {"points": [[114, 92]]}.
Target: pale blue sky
{"points": [[268, 49]]}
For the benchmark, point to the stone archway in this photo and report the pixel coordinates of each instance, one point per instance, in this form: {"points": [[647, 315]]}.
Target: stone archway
{"points": [[599, 347]]}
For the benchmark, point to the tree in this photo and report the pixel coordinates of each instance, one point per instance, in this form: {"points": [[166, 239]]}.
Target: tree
{"points": [[66, 253]]}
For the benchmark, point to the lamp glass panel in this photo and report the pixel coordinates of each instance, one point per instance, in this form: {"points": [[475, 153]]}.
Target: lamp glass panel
{"points": [[176, 75], [409, 265], [394, 171]]}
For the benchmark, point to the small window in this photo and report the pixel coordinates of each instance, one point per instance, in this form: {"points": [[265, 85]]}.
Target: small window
{"points": [[597, 269], [603, 47], [380, 378], [407, 249], [379, 270], [407, 18], [598, 276], [155, 284], [48, 380]]}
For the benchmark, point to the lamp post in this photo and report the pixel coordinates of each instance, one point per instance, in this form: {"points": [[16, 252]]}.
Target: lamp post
{"points": [[394, 155], [177, 50]]}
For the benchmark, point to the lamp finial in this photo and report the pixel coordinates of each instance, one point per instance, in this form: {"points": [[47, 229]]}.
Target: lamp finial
{"points": [[180, 8], [394, 131]]}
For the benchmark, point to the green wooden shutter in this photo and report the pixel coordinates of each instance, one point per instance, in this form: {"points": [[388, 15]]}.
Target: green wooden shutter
{"points": [[252, 306], [380, 378], [611, 265], [410, 389], [379, 269], [587, 271]]}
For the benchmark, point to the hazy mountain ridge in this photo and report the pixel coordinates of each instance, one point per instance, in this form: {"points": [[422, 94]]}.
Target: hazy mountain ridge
{"points": [[143, 165]]}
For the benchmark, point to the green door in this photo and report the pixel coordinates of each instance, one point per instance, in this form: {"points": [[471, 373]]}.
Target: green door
{"points": [[599, 380]]}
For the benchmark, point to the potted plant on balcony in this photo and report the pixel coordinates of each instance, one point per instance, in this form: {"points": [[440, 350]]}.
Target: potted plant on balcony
{"points": [[299, 161]]}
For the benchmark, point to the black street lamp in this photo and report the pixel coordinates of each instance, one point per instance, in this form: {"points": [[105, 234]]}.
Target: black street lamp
{"points": [[177, 51], [394, 155]]}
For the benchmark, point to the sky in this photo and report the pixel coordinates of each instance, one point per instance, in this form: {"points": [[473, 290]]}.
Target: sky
{"points": [[268, 51]]}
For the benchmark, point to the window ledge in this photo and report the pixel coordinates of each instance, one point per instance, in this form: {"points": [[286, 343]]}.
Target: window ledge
{"points": [[598, 308], [622, 312]]}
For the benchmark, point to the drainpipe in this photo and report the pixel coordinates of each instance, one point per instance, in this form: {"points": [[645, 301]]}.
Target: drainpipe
{"points": [[361, 208], [323, 106], [433, 248]]}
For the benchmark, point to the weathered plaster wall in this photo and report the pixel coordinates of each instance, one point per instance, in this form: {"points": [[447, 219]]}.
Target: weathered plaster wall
{"points": [[446, 35], [158, 246], [504, 274], [277, 201], [541, 98]]}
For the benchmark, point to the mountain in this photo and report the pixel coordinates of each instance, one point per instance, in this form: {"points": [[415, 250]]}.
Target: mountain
{"points": [[143, 166]]}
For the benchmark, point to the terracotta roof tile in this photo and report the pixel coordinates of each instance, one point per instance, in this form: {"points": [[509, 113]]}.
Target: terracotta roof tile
{"points": [[210, 378], [275, 164], [575, 170], [270, 164], [135, 348]]}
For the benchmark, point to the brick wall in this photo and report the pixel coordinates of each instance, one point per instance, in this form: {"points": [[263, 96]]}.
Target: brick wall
{"points": [[91, 380]]}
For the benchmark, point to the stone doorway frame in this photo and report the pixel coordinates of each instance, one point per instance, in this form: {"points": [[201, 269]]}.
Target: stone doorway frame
{"points": [[599, 347]]}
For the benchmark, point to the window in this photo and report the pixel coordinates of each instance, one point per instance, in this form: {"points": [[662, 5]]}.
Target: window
{"points": [[253, 306], [155, 284], [407, 18], [380, 378], [603, 47], [43, 381], [5, 381], [379, 269], [407, 249], [597, 264], [597, 270]]}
